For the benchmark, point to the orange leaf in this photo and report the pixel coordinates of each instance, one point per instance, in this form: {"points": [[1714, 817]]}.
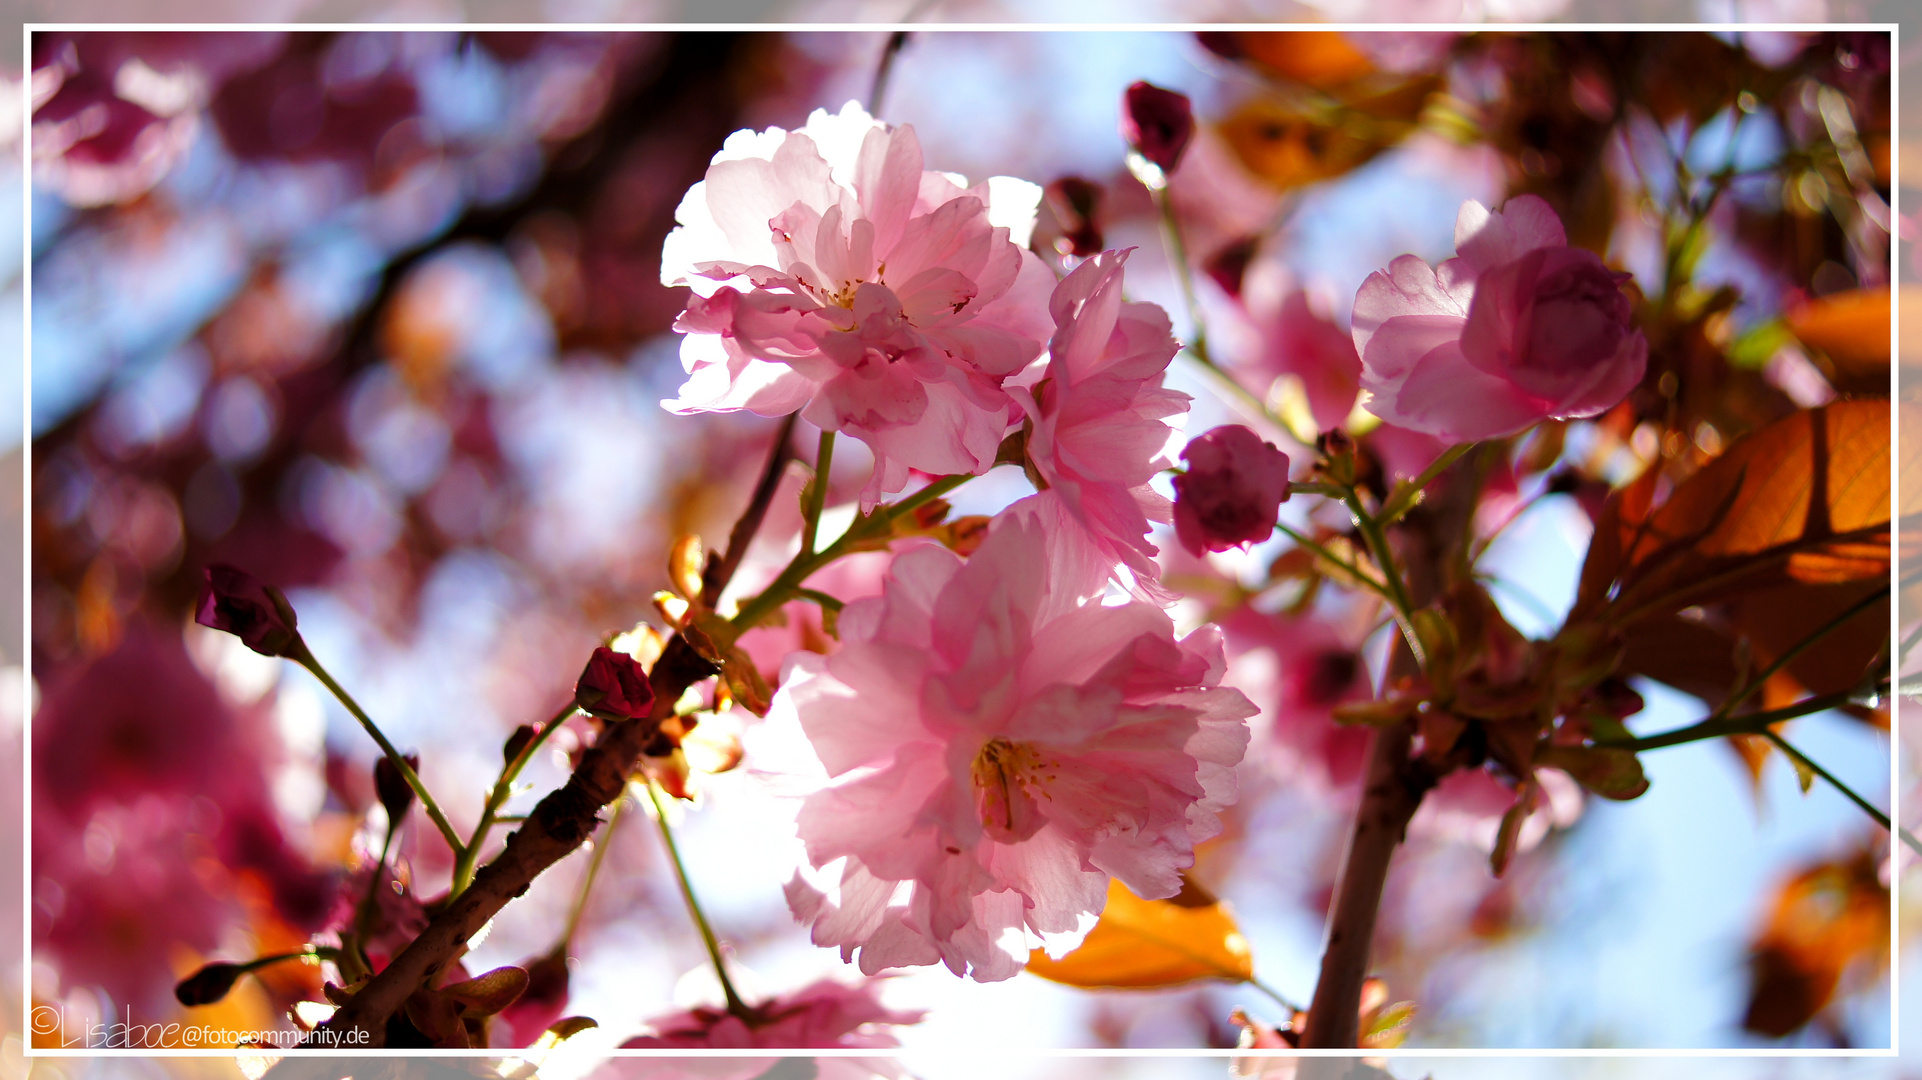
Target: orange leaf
{"points": [[1804, 499], [1853, 329], [1139, 944], [1322, 58]]}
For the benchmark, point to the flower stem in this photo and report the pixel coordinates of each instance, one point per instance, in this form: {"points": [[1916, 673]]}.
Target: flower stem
{"points": [[1178, 255], [1406, 492], [1347, 567], [879, 87], [1798, 649], [1287, 1006], [817, 493], [1746, 724], [469, 855], [1868, 808], [305, 658], [866, 528], [594, 861], [1377, 541], [734, 1003]]}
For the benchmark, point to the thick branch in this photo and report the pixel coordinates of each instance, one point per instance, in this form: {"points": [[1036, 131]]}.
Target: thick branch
{"points": [[1434, 536], [1395, 786], [558, 825]]}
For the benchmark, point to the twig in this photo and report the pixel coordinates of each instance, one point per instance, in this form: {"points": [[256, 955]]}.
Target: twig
{"points": [[715, 578]]}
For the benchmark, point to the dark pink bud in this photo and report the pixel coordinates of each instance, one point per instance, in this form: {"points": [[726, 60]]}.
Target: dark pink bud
{"points": [[1157, 123], [614, 687], [208, 985], [1232, 492], [396, 794], [1076, 202], [235, 601]]}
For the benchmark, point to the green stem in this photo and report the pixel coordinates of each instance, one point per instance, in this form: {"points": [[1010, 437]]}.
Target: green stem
{"points": [[1796, 650], [1397, 593], [821, 599], [594, 861], [322, 952], [1178, 254], [468, 855], [1286, 1005], [1350, 568], [364, 915], [1719, 727], [1868, 808], [1405, 493], [734, 1003], [305, 658], [817, 493], [865, 528], [1330, 491], [1177, 248]]}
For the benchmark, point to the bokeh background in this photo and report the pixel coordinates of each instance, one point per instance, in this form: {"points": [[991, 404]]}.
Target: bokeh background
{"points": [[400, 349]]}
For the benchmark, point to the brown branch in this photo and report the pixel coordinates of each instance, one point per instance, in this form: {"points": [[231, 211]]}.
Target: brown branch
{"points": [[1395, 786], [719, 572]]}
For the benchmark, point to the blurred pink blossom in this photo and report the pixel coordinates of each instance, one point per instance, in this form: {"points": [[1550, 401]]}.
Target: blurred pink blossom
{"points": [[834, 275], [1002, 748], [1518, 328], [826, 1014]]}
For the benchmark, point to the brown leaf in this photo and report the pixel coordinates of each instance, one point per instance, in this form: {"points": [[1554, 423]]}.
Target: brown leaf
{"points": [[1826, 919], [1778, 619], [1803, 499], [1150, 943]]}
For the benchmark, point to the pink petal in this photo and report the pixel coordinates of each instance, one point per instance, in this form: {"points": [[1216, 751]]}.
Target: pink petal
{"points": [[1486, 239]]}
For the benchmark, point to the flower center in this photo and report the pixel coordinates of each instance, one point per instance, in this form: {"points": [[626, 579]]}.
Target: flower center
{"points": [[1007, 776]]}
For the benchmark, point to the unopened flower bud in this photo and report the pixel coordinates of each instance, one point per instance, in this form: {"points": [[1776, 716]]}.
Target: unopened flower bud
{"points": [[1232, 492], [1158, 123], [396, 794], [614, 687], [1076, 202], [517, 742], [209, 984], [233, 600]]}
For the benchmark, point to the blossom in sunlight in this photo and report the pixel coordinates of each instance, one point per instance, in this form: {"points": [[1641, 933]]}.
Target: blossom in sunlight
{"points": [[1097, 430], [1232, 492], [824, 1015], [832, 274], [1000, 748], [1517, 328]]}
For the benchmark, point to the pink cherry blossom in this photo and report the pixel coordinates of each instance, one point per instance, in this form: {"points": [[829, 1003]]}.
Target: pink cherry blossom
{"points": [[1097, 433], [1517, 328], [999, 748], [832, 274], [826, 1014]]}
